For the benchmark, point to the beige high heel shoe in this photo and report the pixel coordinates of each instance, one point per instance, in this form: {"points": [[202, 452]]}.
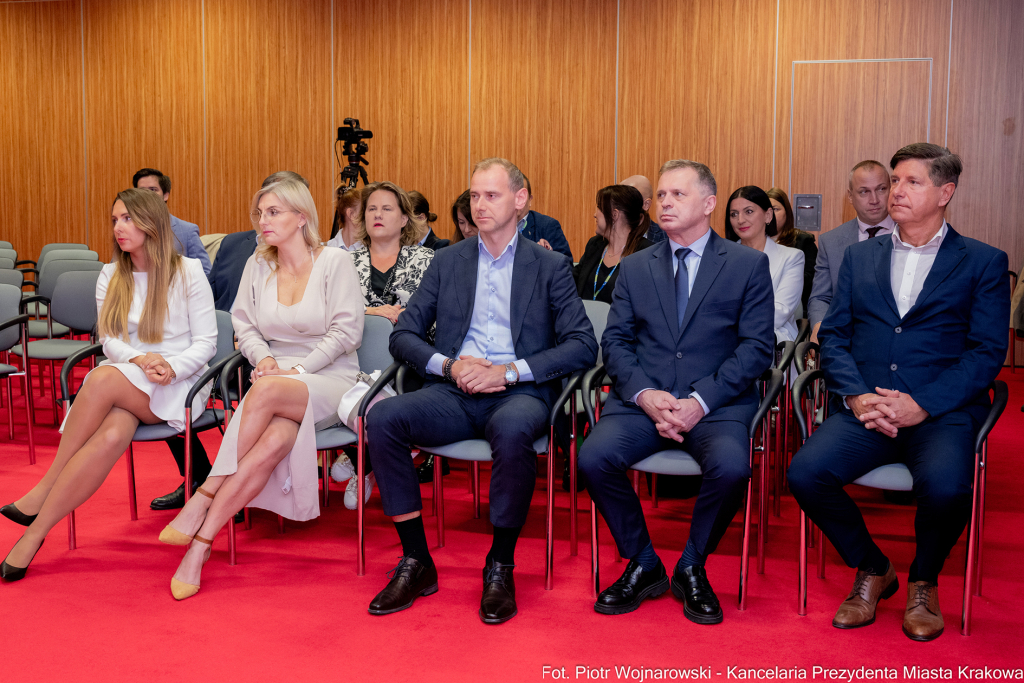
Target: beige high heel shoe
{"points": [[181, 590], [172, 536]]}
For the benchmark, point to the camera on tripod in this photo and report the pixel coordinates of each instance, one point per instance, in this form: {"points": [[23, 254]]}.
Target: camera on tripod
{"points": [[351, 135]]}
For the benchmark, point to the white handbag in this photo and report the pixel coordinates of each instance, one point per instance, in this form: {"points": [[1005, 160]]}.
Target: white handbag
{"points": [[348, 408]]}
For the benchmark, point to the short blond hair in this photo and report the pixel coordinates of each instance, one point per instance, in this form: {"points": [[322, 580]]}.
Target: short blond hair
{"points": [[516, 179], [705, 178], [296, 197], [414, 230]]}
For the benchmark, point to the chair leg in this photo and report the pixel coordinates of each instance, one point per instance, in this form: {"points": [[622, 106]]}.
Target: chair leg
{"points": [[654, 489], [745, 547], [129, 458], [636, 482], [10, 409], [972, 549], [360, 503], [469, 480], [231, 537], [53, 389], [762, 493], [549, 526], [72, 539], [1013, 352], [474, 478], [247, 517], [821, 551], [325, 475], [280, 524], [981, 519], [574, 503], [439, 500], [595, 578]]}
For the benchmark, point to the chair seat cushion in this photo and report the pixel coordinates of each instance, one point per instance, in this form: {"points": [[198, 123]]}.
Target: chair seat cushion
{"points": [[6, 369], [669, 462], [335, 437], [38, 328], [476, 449], [51, 349], [893, 477], [158, 432]]}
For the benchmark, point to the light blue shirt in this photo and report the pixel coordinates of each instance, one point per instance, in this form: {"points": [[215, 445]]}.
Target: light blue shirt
{"points": [[490, 327], [692, 264]]}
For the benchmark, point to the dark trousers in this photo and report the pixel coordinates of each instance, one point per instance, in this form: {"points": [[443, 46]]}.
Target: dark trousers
{"points": [[200, 461], [940, 456], [722, 449], [440, 414]]}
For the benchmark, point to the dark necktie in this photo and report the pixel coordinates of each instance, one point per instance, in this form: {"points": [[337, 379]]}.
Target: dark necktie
{"points": [[682, 283], [873, 231]]}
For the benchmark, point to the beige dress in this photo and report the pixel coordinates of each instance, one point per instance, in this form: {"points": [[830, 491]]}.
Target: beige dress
{"points": [[321, 332]]}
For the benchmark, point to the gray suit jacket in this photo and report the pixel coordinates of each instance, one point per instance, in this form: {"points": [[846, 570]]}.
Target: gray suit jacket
{"points": [[187, 242], [831, 247]]}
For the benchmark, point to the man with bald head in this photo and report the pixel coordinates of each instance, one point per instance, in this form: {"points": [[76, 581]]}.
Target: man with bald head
{"points": [[643, 185]]}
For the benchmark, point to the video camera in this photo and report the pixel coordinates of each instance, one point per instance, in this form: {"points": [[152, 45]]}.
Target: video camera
{"points": [[351, 135]]}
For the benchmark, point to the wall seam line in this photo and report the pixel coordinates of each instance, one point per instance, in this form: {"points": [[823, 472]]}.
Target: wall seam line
{"points": [[949, 69], [775, 91], [469, 100], [206, 151], [85, 126], [618, 29]]}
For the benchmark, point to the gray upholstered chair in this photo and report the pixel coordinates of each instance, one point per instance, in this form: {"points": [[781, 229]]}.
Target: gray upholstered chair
{"points": [[9, 254], [6, 263], [47, 248], [4, 244], [211, 417], [15, 278], [12, 330], [38, 303], [678, 462], [896, 477]]}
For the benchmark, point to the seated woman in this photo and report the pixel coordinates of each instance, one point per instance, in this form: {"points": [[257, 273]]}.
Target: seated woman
{"points": [[299, 321], [421, 209], [158, 328], [346, 212], [789, 236], [462, 217], [751, 221], [390, 262], [621, 223]]}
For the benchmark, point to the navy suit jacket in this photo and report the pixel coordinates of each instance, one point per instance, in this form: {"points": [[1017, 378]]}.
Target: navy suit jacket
{"points": [[944, 352], [433, 242], [226, 272], [538, 227], [550, 328], [726, 340]]}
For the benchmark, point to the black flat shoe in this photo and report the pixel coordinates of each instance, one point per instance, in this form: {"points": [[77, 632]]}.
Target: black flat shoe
{"points": [[633, 587], [10, 573], [12, 513], [700, 602], [175, 500], [425, 472], [498, 602], [409, 580]]}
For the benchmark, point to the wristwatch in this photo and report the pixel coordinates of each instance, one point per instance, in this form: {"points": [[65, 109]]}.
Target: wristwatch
{"points": [[511, 374]]}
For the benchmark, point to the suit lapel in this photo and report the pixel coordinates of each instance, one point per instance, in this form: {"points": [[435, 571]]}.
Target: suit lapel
{"points": [[664, 284], [524, 277], [465, 280], [951, 253], [711, 263], [883, 273]]}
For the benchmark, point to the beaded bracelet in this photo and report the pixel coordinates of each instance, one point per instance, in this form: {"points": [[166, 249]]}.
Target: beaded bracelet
{"points": [[446, 370]]}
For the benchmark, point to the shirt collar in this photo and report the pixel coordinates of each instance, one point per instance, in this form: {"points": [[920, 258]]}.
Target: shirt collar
{"points": [[510, 247], [887, 224], [697, 247], [521, 225], [429, 230], [933, 244]]}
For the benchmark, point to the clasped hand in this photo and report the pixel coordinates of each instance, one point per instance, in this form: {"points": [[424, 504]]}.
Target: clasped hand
{"points": [[389, 311], [672, 416], [886, 411], [268, 366], [478, 375], [157, 369]]}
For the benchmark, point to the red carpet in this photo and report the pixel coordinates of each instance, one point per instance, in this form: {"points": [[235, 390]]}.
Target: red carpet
{"points": [[294, 609]]}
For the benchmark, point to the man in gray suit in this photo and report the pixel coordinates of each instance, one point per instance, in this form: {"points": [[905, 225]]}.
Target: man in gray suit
{"points": [[868, 192], [186, 234]]}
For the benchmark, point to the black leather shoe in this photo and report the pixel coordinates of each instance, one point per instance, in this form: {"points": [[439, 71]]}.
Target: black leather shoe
{"points": [[10, 573], [12, 513], [174, 500], [426, 471], [633, 587], [498, 603], [700, 602], [409, 580]]}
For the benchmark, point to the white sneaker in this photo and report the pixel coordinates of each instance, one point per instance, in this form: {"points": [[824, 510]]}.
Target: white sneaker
{"points": [[342, 469], [351, 491]]}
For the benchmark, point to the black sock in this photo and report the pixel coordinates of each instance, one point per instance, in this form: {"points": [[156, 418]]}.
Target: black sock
{"points": [[503, 545], [690, 557], [875, 562], [414, 539], [647, 558]]}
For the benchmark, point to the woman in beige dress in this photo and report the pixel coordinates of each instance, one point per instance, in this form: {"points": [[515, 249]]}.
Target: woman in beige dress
{"points": [[299, 320]]}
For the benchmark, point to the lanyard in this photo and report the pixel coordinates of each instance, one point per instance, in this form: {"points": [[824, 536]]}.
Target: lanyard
{"points": [[597, 290]]}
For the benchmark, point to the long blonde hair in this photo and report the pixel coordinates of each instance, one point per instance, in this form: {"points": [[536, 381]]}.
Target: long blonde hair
{"points": [[296, 197], [149, 214]]}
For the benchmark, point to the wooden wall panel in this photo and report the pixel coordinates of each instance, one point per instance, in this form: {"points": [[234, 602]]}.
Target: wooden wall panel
{"points": [[986, 115], [543, 96], [268, 65], [696, 83], [144, 104], [859, 29], [407, 80], [857, 99], [42, 180]]}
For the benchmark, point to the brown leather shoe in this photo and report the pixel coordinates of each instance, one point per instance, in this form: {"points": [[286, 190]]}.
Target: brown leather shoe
{"points": [[923, 618], [859, 607]]}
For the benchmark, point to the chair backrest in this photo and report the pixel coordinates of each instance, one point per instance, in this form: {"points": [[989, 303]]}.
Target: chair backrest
{"points": [[59, 245], [225, 337], [12, 277], [8, 253], [6, 263], [10, 299], [74, 300], [4, 244], [54, 269], [597, 311], [373, 351], [66, 255]]}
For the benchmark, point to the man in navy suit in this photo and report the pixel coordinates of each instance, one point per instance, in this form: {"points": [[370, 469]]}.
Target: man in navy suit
{"points": [[915, 334], [186, 235], [691, 328], [509, 327], [544, 230]]}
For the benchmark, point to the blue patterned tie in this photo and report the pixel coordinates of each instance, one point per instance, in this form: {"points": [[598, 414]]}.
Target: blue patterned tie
{"points": [[682, 283]]}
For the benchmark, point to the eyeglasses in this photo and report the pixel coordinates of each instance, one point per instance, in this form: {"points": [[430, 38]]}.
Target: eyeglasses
{"points": [[272, 213]]}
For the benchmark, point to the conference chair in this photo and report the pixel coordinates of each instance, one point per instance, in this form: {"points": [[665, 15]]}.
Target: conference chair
{"points": [[803, 330], [12, 277], [896, 477], [4, 244], [13, 327], [210, 418], [6, 263], [678, 462], [784, 354], [8, 253], [1013, 332], [47, 282], [51, 247]]}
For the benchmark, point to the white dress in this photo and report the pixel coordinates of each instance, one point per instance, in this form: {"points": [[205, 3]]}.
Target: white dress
{"points": [[321, 333], [190, 340]]}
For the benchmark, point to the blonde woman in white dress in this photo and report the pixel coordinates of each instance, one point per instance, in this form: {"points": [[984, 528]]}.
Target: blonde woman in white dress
{"points": [[299, 320], [158, 328]]}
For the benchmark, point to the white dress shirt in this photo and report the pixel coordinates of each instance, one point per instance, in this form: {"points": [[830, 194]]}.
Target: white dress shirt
{"points": [[910, 267], [887, 225]]}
